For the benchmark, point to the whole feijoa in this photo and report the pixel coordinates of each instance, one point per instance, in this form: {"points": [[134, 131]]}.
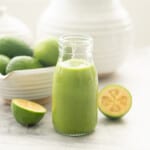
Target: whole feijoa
{"points": [[12, 47], [47, 51]]}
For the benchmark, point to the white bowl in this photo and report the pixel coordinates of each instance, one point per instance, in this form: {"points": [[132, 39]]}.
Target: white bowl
{"points": [[30, 84]]}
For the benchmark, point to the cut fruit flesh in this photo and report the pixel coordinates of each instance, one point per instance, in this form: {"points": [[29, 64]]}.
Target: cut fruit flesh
{"points": [[114, 101], [28, 105]]}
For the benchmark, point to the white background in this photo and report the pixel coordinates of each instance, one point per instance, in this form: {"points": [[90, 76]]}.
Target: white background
{"points": [[29, 11]]}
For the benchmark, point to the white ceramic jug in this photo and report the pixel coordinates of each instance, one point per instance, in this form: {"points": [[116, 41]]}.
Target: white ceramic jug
{"points": [[12, 26], [106, 20]]}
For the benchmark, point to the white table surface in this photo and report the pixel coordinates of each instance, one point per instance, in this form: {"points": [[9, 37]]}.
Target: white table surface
{"points": [[130, 133]]}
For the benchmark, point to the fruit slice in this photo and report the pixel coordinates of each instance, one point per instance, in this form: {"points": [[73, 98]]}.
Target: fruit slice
{"points": [[114, 101], [26, 112]]}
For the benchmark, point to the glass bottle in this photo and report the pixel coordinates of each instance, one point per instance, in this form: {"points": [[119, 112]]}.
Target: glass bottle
{"points": [[75, 85]]}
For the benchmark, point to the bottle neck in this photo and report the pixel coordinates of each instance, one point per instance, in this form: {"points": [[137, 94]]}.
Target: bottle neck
{"points": [[76, 47]]}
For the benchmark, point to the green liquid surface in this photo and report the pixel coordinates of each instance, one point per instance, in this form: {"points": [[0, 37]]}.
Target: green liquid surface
{"points": [[74, 99]]}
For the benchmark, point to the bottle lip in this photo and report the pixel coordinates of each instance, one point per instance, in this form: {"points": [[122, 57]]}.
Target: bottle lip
{"points": [[81, 39]]}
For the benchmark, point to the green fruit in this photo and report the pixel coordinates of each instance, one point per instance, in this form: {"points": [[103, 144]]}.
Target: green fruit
{"points": [[4, 60], [114, 101], [12, 47], [26, 112], [47, 52], [22, 63]]}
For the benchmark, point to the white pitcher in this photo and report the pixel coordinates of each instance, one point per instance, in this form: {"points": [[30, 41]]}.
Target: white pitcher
{"points": [[14, 27], [106, 20]]}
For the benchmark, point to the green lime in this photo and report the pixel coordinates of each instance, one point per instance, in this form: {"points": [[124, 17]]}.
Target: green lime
{"points": [[26, 112], [12, 47], [47, 52], [4, 60], [21, 63], [114, 101]]}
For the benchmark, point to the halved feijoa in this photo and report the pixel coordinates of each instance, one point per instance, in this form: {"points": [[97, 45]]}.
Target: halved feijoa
{"points": [[27, 112], [114, 101]]}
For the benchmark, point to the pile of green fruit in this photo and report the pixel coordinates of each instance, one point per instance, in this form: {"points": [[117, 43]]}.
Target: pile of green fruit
{"points": [[15, 54]]}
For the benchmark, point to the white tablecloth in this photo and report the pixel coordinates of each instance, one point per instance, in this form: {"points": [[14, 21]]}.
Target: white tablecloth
{"points": [[130, 133]]}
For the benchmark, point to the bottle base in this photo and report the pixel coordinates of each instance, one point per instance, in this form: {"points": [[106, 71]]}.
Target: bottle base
{"points": [[74, 134]]}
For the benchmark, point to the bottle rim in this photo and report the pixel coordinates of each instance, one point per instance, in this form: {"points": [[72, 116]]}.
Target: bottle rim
{"points": [[80, 39]]}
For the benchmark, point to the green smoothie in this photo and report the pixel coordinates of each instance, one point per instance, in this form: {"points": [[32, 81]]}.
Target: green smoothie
{"points": [[74, 99]]}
